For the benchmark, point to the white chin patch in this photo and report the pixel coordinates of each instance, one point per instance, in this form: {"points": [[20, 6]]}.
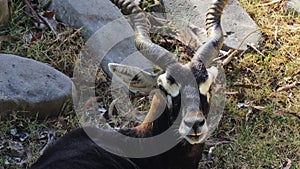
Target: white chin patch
{"points": [[169, 101], [212, 74], [172, 89]]}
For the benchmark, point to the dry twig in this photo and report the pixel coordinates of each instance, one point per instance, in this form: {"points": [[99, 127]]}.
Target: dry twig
{"points": [[287, 87], [47, 22], [215, 143], [248, 86], [292, 113], [90, 101], [255, 107], [224, 55], [253, 47], [270, 3], [230, 57], [38, 17], [35, 15], [231, 93]]}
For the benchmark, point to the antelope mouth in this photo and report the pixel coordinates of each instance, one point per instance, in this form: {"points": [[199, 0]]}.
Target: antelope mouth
{"points": [[195, 138]]}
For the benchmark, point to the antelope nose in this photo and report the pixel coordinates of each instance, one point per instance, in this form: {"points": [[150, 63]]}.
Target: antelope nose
{"points": [[198, 123], [195, 124]]}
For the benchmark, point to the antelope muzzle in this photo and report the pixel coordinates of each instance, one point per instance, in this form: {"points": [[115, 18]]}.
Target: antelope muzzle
{"points": [[194, 127]]}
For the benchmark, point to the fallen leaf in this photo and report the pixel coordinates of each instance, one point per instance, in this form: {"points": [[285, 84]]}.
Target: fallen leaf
{"points": [[48, 18], [49, 14], [36, 36]]}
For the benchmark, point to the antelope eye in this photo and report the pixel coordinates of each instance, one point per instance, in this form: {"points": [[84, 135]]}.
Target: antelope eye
{"points": [[170, 79], [161, 87]]}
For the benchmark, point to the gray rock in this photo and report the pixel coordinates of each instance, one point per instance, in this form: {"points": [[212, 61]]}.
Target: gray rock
{"points": [[237, 24], [110, 38], [31, 87], [108, 34], [4, 12], [292, 6]]}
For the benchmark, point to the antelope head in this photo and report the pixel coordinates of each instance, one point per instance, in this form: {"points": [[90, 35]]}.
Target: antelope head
{"points": [[190, 82]]}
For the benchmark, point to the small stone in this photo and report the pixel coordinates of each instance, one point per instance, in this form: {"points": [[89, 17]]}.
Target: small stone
{"points": [[22, 136], [13, 131], [16, 148], [240, 105]]}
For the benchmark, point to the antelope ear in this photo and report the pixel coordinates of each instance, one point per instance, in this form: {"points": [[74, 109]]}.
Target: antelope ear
{"points": [[134, 78], [212, 75]]}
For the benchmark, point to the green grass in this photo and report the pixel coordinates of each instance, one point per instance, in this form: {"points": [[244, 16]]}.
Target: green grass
{"points": [[264, 138]]}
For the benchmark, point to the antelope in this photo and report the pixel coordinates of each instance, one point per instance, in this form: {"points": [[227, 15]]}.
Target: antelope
{"points": [[182, 93]]}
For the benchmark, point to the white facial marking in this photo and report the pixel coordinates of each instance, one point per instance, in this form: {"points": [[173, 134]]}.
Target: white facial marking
{"points": [[212, 74], [172, 89]]}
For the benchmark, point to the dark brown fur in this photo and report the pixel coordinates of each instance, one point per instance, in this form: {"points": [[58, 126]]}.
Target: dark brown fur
{"points": [[77, 150]]}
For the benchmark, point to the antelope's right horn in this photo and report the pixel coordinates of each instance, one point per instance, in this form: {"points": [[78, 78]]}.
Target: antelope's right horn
{"points": [[211, 48]]}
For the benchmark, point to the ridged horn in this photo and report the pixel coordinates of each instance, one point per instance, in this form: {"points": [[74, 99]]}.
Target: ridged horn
{"points": [[211, 48], [141, 25]]}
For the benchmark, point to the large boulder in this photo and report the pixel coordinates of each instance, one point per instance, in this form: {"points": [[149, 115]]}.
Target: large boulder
{"points": [[31, 87], [109, 36], [97, 17], [238, 27]]}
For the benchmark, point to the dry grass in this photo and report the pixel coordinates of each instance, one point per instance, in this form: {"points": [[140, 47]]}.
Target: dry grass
{"points": [[22, 37], [263, 138], [262, 135]]}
